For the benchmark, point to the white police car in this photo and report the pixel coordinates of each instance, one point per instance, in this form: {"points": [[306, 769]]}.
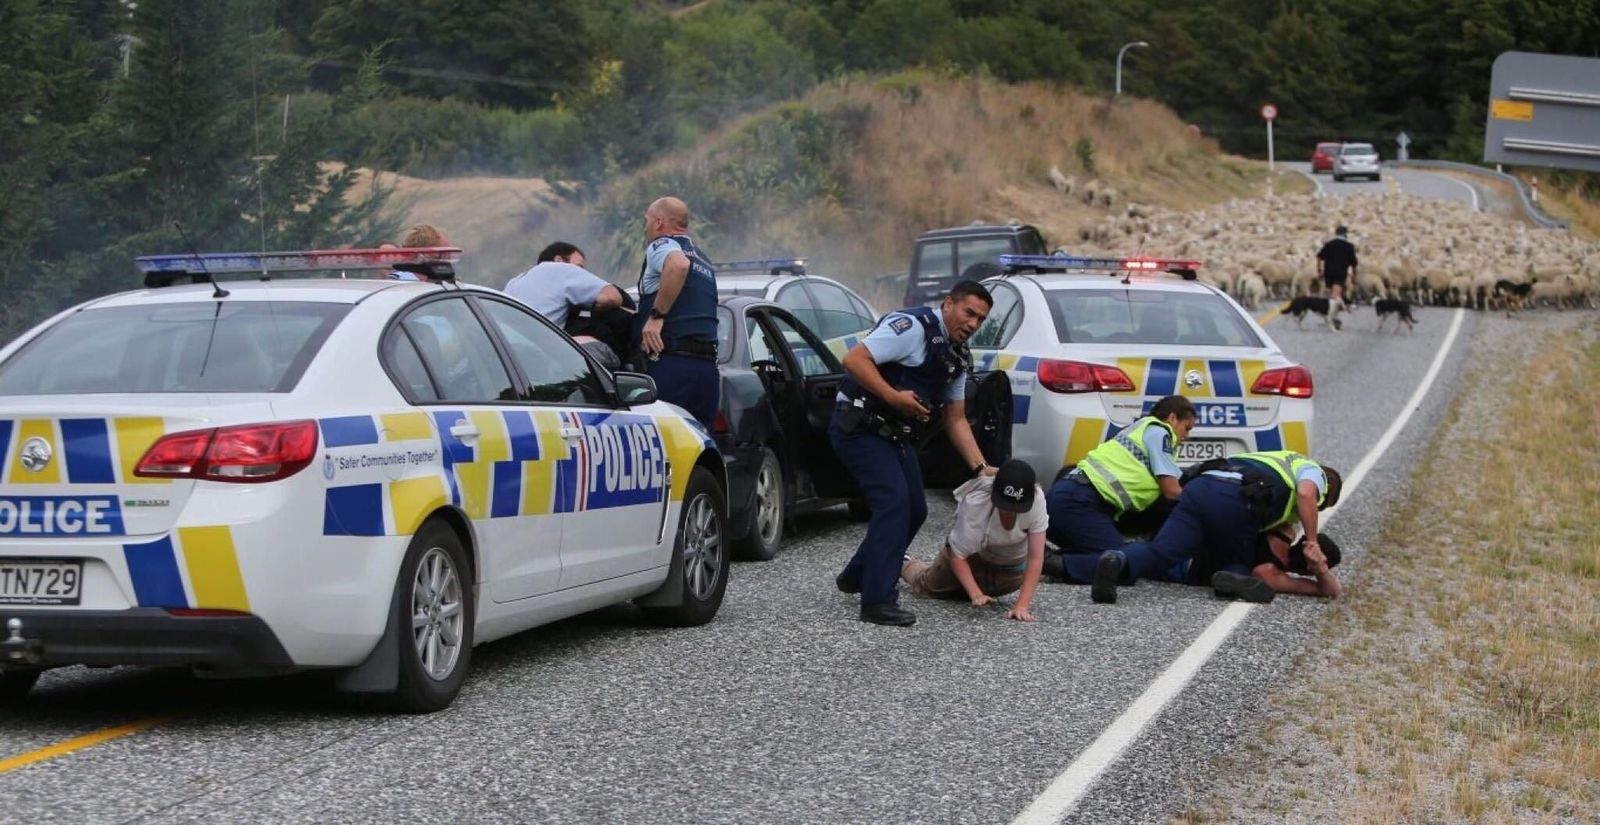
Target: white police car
{"points": [[368, 475], [1091, 343], [832, 310]]}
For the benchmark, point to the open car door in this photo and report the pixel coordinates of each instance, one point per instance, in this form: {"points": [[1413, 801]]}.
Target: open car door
{"points": [[989, 414], [804, 401]]}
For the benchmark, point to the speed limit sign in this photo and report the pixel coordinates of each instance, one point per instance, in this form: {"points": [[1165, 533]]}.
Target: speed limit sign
{"points": [[1269, 111]]}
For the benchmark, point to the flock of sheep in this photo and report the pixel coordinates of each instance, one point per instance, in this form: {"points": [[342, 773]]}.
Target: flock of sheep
{"points": [[1422, 250]]}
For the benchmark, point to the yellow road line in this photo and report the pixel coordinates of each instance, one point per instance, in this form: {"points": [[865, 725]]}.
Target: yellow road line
{"points": [[87, 740], [1267, 319]]}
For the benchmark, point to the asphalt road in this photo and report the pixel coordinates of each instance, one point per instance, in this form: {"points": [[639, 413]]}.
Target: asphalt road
{"points": [[1410, 181], [785, 709]]}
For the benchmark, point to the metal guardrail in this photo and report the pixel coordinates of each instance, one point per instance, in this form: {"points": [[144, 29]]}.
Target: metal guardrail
{"points": [[1529, 208]]}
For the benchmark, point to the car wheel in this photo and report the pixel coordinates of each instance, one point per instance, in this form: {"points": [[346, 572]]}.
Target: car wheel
{"points": [[1337, 178], [766, 523], [700, 552], [859, 511], [1376, 178], [15, 684], [433, 607]]}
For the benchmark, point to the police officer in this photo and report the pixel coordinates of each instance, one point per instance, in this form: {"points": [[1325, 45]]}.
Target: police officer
{"points": [[1133, 472], [912, 367], [1222, 511], [677, 319]]}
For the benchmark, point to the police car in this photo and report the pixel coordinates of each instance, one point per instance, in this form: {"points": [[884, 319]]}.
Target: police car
{"points": [[1090, 344], [364, 475], [831, 309]]}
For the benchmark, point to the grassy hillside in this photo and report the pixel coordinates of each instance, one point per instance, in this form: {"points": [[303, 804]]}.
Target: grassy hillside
{"points": [[850, 174]]}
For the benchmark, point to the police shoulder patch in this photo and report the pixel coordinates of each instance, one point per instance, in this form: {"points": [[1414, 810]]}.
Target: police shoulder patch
{"points": [[662, 241], [900, 324]]}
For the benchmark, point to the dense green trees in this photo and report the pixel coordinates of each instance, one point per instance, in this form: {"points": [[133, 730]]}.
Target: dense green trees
{"points": [[120, 120]]}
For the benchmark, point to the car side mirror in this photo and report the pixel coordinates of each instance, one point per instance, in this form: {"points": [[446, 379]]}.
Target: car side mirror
{"points": [[635, 388]]}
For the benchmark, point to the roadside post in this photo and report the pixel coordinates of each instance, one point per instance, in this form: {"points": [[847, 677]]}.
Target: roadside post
{"points": [[1269, 113], [1404, 140]]}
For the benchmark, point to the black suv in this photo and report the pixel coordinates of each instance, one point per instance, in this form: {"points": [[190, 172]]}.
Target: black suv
{"points": [[943, 256]]}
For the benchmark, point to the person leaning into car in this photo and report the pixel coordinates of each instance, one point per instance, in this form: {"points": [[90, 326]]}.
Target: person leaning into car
{"points": [[676, 327], [911, 368], [1133, 472]]}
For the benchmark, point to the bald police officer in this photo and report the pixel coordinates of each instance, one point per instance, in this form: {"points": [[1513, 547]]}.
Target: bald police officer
{"points": [[677, 320], [911, 368]]}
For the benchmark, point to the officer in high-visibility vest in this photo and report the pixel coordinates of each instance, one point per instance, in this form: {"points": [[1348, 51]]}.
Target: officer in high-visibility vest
{"points": [[1222, 512], [1129, 473], [910, 370]]}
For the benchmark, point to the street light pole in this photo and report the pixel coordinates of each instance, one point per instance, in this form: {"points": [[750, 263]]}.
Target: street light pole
{"points": [[1120, 52]]}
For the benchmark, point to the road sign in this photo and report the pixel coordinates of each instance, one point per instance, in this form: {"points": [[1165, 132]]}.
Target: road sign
{"points": [[1544, 110], [1404, 140], [1269, 111]]}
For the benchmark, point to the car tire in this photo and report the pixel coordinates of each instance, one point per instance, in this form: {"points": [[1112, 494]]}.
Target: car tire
{"points": [[860, 511], [435, 584], [699, 553], [765, 538], [1337, 178], [15, 684]]}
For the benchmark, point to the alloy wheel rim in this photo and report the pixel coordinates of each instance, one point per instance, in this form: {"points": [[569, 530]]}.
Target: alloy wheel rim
{"points": [[769, 505], [437, 617], [702, 547]]}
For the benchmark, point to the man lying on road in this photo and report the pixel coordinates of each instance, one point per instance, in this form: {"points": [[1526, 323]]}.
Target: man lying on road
{"points": [[1222, 511]]}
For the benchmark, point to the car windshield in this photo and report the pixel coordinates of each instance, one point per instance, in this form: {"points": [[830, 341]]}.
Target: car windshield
{"points": [[240, 346], [1148, 316], [1359, 149]]}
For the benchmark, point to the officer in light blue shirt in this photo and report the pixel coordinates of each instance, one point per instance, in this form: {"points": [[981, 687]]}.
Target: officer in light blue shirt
{"points": [[676, 327], [911, 368]]}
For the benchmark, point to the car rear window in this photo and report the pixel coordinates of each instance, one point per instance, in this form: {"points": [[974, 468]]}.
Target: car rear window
{"points": [[1358, 149], [242, 346], [1149, 316]]}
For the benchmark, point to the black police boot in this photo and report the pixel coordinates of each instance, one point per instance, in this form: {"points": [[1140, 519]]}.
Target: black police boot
{"points": [[1054, 568], [846, 584], [1107, 572], [1248, 588], [888, 613]]}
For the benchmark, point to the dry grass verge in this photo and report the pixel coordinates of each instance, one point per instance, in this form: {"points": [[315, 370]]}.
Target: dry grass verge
{"points": [[1460, 681]]}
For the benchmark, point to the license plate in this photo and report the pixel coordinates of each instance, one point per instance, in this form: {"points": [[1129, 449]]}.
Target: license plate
{"points": [[1198, 450], [40, 582]]}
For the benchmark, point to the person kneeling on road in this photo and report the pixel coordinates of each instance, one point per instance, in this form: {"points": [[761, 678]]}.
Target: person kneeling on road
{"points": [[1133, 472], [995, 547], [1301, 567], [1221, 512]]}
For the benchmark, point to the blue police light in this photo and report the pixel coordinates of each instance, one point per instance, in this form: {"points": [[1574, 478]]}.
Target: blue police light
{"points": [[775, 266], [433, 262]]}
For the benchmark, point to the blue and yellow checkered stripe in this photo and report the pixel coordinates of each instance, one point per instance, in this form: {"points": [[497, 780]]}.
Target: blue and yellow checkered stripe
{"points": [[205, 554], [519, 466]]}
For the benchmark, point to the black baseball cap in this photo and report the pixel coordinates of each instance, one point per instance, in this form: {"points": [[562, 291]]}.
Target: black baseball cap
{"points": [[1330, 550], [1013, 487]]}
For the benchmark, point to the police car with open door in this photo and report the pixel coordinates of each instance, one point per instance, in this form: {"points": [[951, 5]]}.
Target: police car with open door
{"points": [[1090, 344], [831, 309], [360, 474]]}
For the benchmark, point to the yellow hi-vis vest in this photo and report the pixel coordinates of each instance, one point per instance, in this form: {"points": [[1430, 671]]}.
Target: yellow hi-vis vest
{"points": [[1120, 469], [1287, 464]]}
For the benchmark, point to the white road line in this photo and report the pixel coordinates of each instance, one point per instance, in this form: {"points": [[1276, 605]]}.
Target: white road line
{"points": [[1472, 190], [1069, 787]]}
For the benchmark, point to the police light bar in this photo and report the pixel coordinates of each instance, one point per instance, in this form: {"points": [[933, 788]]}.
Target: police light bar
{"points": [[776, 266], [1013, 263], [433, 262]]}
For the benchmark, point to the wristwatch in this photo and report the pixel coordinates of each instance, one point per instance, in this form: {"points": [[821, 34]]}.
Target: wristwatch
{"points": [[655, 312]]}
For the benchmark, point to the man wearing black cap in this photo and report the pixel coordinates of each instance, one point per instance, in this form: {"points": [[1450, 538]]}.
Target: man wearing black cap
{"points": [[1280, 566], [996, 546]]}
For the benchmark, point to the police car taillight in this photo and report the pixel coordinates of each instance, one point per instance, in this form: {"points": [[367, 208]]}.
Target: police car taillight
{"points": [[1290, 382], [1076, 376], [250, 453]]}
